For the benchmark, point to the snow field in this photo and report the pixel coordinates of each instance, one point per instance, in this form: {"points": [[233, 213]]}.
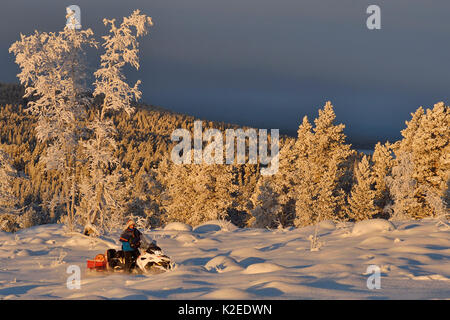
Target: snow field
{"points": [[218, 261]]}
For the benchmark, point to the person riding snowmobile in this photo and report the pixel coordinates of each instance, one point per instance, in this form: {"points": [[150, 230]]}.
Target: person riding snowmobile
{"points": [[131, 241]]}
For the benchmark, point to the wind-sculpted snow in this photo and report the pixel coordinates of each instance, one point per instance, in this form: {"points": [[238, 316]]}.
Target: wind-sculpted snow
{"points": [[215, 225], [223, 264], [369, 226], [263, 267], [216, 261], [177, 226]]}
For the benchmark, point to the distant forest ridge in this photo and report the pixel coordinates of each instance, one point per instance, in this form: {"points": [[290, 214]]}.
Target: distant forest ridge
{"points": [[143, 141], [11, 93], [320, 176]]}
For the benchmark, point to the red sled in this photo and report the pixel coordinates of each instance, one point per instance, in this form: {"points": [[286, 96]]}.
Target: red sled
{"points": [[98, 264]]}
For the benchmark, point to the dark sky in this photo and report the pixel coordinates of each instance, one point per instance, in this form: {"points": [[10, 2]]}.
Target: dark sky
{"points": [[268, 63]]}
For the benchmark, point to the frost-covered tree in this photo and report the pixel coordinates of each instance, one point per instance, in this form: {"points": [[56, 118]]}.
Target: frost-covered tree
{"points": [[303, 185], [121, 48], [409, 132], [321, 165], [104, 181], [196, 193], [53, 71], [246, 179], [438, 204], [430, 148], [382, 165], [8, 201], [427, 139], [145, 202], [402, 187], [361, 200], [265, 206], [288, 177], [102, 188]]}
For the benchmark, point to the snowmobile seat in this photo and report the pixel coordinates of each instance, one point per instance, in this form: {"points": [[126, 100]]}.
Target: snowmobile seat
{"points": [[115, 258]]}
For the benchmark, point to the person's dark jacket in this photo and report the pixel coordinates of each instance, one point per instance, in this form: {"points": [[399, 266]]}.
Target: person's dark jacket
{"points": [[131, 239]]}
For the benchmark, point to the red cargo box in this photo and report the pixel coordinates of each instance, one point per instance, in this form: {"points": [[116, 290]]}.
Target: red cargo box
{"points": [[91, 264], [99, 262]]}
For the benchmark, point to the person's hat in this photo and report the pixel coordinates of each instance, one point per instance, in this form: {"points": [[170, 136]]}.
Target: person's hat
{"points": [[130, 223]]}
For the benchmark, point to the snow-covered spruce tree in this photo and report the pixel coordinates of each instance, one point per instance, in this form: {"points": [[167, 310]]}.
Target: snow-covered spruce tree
{"points": [[246, 179], [265, 206], [105, 181], [431, 147], [361, 200], [427, 139], [441, 206], [287, 178], [402, 186], [382, 165], [410, 131], [438, 204], [53, 72], [7, 175], [195, 193], [322, 163], [302, 189], [146, 192], [8, 201]]}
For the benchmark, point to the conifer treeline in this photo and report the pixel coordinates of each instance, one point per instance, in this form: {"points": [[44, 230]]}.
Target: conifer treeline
{"points": [[143, 141], [320, 177]]}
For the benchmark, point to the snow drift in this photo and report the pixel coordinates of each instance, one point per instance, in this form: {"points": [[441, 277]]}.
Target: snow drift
{"points": [[240, 264]]}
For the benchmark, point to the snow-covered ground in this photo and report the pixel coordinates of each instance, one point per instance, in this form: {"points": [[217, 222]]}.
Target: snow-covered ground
{"points": [[218, 261]]}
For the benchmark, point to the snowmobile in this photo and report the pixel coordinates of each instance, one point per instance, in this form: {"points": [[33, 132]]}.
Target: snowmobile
{"points": [[150, 260]]}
